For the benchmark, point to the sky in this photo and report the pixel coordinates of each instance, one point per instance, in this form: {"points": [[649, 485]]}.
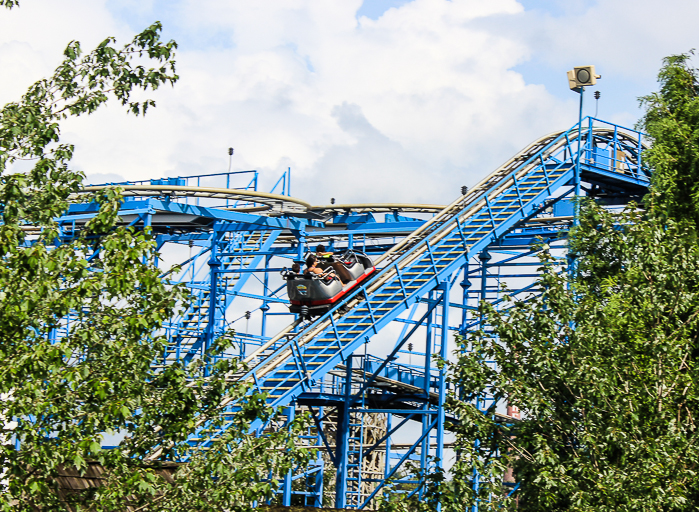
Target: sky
{"points": [[365, 100]]}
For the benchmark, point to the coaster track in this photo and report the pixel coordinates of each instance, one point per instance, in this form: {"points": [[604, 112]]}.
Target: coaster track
{"points": [[317, 365], [514, 192]]}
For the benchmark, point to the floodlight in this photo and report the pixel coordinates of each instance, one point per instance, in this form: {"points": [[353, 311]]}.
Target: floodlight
{"points": [[581, 76]]}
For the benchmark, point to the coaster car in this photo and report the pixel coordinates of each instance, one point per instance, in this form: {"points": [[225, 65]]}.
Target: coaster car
{"points": [[314, 294]]}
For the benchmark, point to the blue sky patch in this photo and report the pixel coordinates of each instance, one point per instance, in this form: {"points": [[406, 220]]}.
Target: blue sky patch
{"points": [[374, 9]]}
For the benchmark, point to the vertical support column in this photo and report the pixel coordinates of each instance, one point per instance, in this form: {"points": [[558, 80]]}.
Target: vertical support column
{"points": [[443, 352], [426, 417], [214, 264], [576, 206], [577, 163], [476, 485], [387, 460], [320, 474], [465, 285], [286, 496], [147, 221], [342, 440], [301, 249], [318, 487], [484, 258], [265, 306], [302, 246]]}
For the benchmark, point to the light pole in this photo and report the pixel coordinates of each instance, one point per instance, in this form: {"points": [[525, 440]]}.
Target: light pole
{"points": [[578, 78]]}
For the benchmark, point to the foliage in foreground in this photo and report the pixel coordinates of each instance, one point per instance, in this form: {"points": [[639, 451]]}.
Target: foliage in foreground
{"points": [[602, 367], [81, 321]]}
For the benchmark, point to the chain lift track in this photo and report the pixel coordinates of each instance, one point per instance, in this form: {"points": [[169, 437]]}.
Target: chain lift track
{"points": [[377, 404]]}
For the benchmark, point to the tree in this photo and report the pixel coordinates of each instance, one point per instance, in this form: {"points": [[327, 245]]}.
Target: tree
{"points": [[602, 365], [81, 317]]}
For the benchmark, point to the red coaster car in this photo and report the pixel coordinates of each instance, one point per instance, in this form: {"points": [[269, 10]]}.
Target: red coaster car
{"points": [[314, 294]]}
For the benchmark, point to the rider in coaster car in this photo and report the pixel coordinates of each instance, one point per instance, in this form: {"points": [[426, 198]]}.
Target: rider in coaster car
{"points": [[322, 253], [312, 265]]}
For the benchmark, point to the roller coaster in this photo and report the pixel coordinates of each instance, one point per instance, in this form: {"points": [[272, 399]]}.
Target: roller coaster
{"points": [[365, 368]]}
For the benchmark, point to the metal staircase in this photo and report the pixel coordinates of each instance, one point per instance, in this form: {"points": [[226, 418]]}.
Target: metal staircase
{"points": [[236, 253]]}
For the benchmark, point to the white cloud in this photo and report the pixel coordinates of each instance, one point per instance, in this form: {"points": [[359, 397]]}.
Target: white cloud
{"points": [[412, 105], [629, 37], [33, 37]]}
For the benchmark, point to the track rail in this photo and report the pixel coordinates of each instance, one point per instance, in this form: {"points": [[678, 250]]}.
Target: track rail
{"points": [[276, 203]]}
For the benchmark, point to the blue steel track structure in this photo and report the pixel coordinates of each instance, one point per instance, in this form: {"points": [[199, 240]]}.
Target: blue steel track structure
{"points": [[365, 370]]}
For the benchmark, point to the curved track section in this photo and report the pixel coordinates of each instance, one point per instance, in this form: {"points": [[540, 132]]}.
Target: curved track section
{"points": [[332, 209], [252, 201]]}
